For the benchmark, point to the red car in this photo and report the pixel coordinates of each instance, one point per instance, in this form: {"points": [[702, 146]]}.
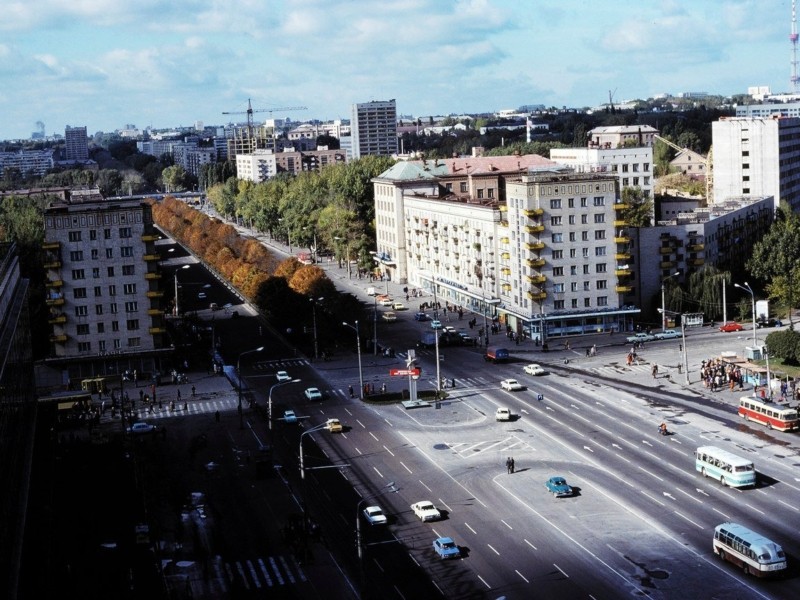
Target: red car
{"points": [[731, 326]]}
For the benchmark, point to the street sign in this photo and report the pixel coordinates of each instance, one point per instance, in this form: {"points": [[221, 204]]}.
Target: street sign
{"points": [[404, 372]]}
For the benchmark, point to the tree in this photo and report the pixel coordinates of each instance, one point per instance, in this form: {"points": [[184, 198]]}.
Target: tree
{"points": [[639, 209], [776, 257], [705, 288], [175, 178]]}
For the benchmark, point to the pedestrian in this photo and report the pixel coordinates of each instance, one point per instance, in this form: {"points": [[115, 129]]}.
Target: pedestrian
{"points": [[172, 406], [216, 416], [179, 394], [185, 406], [588, 351], [512, 464], [350, 389], [193, 391], [508, 465]]}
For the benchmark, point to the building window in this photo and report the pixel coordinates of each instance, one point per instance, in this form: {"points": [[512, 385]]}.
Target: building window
{"points": [[115, 326], [600, 268], [602, 301], [558, 288], [96, 272], [602, 284], [558, 305], [573, 286], [110, 271], [79, 293], [625, 182], [555, 221], [745, 152], [74, 236], [84, 346], [599, 201], [449, 187], [557, 238], [126, 251], [571, 220], [109, 253], [112, 290], [554, 204], [571, 203], [93, 234], [600, 234], [625, 168], [645, 166], [133, 324], [480, 193], [572, 236], [81, 311], [101, 345], [585, 236], [128, 270], [745, 190], [98, 309], [635, 167], [586, 286], [585, 252], [558, 254], [573, 270], [583, 203], [76, 255], [574, 303], [134, 342], [83, 329], [113, 308], [129, 289], [95, 252], [601, 218], [78, 274], [636, 180], [586, 269], [124, 232], [491, 192], [463, 187], [587, 302], [131, 307], [745, 165], [117, 345], [573, 253], [98, 291], [107, 234], [558, 271]]}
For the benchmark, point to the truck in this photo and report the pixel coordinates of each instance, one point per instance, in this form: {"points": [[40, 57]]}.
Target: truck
{"points": [[428, 339], [496, 354]]}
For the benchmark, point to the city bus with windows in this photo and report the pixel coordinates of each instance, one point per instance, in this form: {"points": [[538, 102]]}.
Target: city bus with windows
{"points": [[774, 416], [725, 466], [748, 550]]}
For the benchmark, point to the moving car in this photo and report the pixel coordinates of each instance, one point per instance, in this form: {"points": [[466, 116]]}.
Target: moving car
{"points": [[639, 337], [333, 425], [667, 334], [449, 329], [201, 295], [768, 323], [558, 485], [420, 316], [141, 428], [282, 376], [289, 417], [495, 354], [534, 369], [426, 511], [436, 324], [445, 547], [731, 326], [399, 306], [313, 394], [386, 302], [389, 316], [374, 515], [502, 414], [512, 385]]}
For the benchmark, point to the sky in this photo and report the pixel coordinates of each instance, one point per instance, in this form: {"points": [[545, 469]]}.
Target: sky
{"points": [[168, 63]]}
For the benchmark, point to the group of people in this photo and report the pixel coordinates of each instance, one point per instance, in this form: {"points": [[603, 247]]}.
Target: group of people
{"points": [[716, 375], [510, 464]]}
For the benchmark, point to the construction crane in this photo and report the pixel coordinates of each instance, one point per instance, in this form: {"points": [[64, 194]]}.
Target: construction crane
{"points": [[706, 165], [250, 110]]}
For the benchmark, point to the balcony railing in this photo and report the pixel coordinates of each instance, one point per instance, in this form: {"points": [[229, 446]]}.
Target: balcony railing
{"points": [[152, 275], [622, 256], [157, 330], [56, 283], [54, 264], [155, 312], [622, 272], [155, 294], [696, 247], [621, 239], [696, 262], [535, 262], [621, 206], [623, 289], [620, 223], [150, 237], [534, 228], [536, 279], [533, 212], [537, 296], [51, 246], [58, 320], [666, 250], [151, 257], [534, 245], [58, 339], [55, 301]]}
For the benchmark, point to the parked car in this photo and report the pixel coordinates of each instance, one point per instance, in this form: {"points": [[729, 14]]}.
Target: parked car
{"points": [[312, 394], [374, 515], [389, 316], [768, 323], [333, 425], [445, 548], [502, 414], [534, 369], [558, 486], [141, 428], [436, 324], [426, 511], [731, 326], [512, 385], [282, 376], [639, 337], [667, 334], [289, 417], [420, 316]]}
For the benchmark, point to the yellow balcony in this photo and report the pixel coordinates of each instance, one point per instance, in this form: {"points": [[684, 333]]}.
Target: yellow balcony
{"points": [[503, 223], [621, 206], [504, 240], [696, 247], [696, 262], [621, 239], [620, 223], [622, 272], [536, 279], [534, 245], [667, 264], [150, 237], [537, 296], [55, 301], [56, 283], [505, 255], [622, 256], [535, 262], [51, 246], [152, 275], [505, 271], [155, 294], [533, 212], [503, 207], [623, 289], [151, 257], [157, 330], [58, 339], [666, 250], [155, 312], [58, 320], [55, 264], [534, 228], [506, 287]]}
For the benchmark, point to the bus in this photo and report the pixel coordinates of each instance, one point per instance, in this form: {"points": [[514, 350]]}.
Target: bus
{"points": [[774, 416], [755, 554], [730, 469]]}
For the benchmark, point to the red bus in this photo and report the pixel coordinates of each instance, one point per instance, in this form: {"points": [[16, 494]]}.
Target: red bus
{"points": [[774, 416]]}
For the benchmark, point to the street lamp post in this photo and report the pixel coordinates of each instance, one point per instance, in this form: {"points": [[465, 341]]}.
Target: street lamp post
{"points": [[175, 276], [269, 403], [663, 300], [302, 463], [746, 287], [375, 326], [358, 348], [314, 316], [685, 359], [389, 488], [239, 376]]}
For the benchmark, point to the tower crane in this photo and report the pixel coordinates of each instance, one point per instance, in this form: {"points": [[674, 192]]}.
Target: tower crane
{"points": [[250, 110], [706, 165]]}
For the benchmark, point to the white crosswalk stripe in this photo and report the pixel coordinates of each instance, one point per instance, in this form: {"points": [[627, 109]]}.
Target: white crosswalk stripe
{"points": [[268, 571], [280, 364], [194, 407], [467, 449], [617, 370]]}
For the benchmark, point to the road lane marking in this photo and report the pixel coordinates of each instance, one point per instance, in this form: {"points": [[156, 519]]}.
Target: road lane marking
{"points": [[761, 512], [388, 422], [265, 571], [377, 564], [789, 505], [562, 570], [483, 580], [506, 524], [651, 474], [443, 503], [493, 550], [720, 512], [688, 495], [405, 467], [373, 435], [425, 486], [253, 573], [520, 574], [359, 451], [653, 499], [389, 451], [529, 544], [378, 472], [688, 519], [471, 529], [360, 423]]}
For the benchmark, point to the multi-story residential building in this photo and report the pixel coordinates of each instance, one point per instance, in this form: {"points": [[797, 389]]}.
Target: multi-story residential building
{"points": [[103, 282], [265, 164], [632, 165], [757, 157], [616, 136], [156, 148], [27, 162], [77, 144], [259, 166], [373, 127], [533, 243]]}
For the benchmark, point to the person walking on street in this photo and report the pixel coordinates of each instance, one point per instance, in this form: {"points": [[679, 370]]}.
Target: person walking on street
{"points": [[350, 389], [193, 391], [512, 465], [508, 465]]}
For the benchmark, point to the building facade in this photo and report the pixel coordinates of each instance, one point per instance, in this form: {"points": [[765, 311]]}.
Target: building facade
{"points": [[27, 162], [373, 127], [104, 287], [259, 166], [76, 143], [632, 165]]}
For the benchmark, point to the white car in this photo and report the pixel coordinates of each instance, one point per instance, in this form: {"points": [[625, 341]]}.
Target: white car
{"points": [[534, 369], [313, 394], [333, 425], [399, 306], [141, 427], [502, 414], [386, 302], [282, 376], [426, 511], [374, 515], [389, 316], [667, 334], [512, 385], [289, 416], [449, 329]]}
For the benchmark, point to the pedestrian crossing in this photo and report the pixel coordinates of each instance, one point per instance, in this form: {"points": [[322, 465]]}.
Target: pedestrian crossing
{"points": [[258, 573], [508, 444], [193, 407], [281, 364], [643, 368]]}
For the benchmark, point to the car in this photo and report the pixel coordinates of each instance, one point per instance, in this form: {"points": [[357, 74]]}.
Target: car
{"points": [[731, 326], [436, 324], [420, 316], [667, 334], [512, 385], [201, 295], [282, 376], [312, 394], [289, 416], [374, 515], [426, 511], [502, 414], [333, 425], [399, 306], [446, 548], [449, 329], [141, 428], [640, 337], [213, 306], [558, 486], [389, 316], [534, 369], [768, 323], [386, 302]]}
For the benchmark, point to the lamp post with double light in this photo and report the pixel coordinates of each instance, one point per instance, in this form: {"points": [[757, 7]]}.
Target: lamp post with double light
{"points": [[269, 402], [746, 287], [389, 488], [663, 299], [358, 349], [241, 382], [175, 277]]}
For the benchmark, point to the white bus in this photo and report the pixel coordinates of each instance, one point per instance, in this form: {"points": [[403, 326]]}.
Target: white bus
{"points": [[751, 551], [730, 469]]}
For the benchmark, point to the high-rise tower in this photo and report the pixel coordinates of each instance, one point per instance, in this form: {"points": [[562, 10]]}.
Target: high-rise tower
{"points": [[793, 39]]}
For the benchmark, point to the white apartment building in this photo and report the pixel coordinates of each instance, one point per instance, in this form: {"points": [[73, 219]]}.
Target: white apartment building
{"points": [[259, 166], [632, 165], [373, 127], [757, 157], [38, 162]]}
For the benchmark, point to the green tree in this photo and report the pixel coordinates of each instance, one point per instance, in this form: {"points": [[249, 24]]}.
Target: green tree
{"points": [[705, 288], [639, 211], [109, 181], [174, 178]]}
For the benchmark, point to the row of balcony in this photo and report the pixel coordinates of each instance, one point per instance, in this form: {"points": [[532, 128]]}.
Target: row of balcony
{"points": [[61, 338]]}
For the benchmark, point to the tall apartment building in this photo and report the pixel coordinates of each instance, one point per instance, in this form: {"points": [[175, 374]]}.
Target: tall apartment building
{"points": [[632, 165], [258, 166], [77, 144], [757, 157], [104, 291], [373, 127], [27, 162]]}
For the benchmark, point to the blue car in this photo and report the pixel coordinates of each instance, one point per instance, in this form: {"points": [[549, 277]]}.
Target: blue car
{"points": [[420, 316], [445, 547], [559, 487], [436, 324]]}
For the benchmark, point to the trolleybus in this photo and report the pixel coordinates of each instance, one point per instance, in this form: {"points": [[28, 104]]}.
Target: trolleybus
{"points": [[730, 469], [774, 416], [751, 551]]}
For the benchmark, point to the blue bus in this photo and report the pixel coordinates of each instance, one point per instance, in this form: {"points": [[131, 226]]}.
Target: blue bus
{"points": [[725, 466]]}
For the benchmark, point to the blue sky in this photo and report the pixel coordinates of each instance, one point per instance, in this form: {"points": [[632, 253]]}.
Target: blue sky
{"points": [[105, 63]]}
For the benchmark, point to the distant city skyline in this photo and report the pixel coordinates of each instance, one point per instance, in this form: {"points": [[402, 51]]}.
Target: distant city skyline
{"points": [[108, 63]]}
